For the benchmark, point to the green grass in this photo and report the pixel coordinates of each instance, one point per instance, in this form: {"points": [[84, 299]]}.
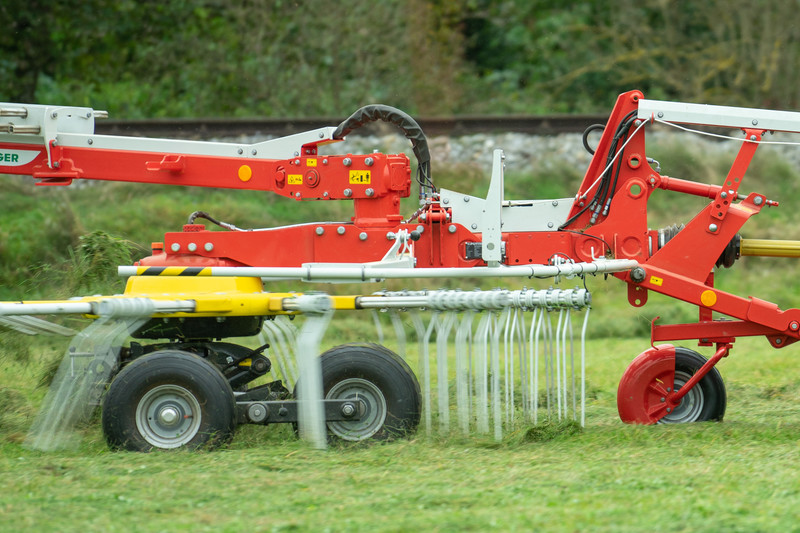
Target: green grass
{"points": [[739, 475]]}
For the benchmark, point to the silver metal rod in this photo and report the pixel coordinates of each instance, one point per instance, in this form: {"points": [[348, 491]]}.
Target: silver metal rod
{"points": [[323, 272]]}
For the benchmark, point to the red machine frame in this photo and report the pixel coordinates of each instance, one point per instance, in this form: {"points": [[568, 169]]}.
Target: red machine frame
{"points": [[611, 224]]}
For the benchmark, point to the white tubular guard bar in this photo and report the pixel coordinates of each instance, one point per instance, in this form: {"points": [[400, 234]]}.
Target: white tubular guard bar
{"points": [[110, 307], [323, 272]]}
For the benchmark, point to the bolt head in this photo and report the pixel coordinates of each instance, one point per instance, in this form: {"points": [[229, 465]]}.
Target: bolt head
{"points": [[340, 230], [175, 247], [208, 247], [712, 227], [451, 228], [319, 230], [192, 247]]}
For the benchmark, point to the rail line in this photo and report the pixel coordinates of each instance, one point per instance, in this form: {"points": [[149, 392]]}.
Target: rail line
{"points": [[452, 126]]}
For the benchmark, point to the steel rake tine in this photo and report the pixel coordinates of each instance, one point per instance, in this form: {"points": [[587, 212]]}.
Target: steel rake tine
{"points": [[287, 334], [424, 336], [482, 373], [378, 326], [572, 365], [399, 331], [462, 376], [311, 419], [279, 351], [496, 402], [508, 373], [583, 367], [442, 382]]}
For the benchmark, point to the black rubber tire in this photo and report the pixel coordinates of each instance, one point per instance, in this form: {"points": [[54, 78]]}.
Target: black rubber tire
{"points": [[706, 401], [383, 380], [166, 400]]}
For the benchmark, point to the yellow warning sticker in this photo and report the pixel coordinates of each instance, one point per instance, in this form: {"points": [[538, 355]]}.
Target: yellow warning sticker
{"points": [[295, 179], [656, 281], [360, 177], [311, 162]]}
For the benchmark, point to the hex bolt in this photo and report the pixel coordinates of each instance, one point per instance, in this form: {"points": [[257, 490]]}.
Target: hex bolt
{"points": [[240, 151], [320, 230], [753, 137], [390, 235], [712, 227], [348, 409], [549, 224], [208, 247], [466, 199], [54, 114], [325, 194], [555, 203], [794, 326], [340, 230], [474, 226], [254, 152], [446, 201], [370, 192], [362, 236], [669, 389], [723, 195], [325, 161], [348, 193], [451, 228], [638, 274], [322, 135], [175, 247], [652, 180], [663, 399], [669, 410], [347, 161], [755, 122], [758, 200], [297, 194], [778, 341], [369, 161], [90, 141], [660, 114], [192, 247]]}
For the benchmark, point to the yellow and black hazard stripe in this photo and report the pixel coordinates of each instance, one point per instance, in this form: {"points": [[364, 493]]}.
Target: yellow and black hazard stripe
{"points": [[173, 271]]}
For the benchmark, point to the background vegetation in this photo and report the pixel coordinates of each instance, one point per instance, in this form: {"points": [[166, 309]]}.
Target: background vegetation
{"points": [[147, 58]]}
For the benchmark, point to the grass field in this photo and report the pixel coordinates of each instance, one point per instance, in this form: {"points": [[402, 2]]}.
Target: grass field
{"points": [[739, 475]]}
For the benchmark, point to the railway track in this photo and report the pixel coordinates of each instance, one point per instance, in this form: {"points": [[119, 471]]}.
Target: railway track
{"points": [[453, 126]]}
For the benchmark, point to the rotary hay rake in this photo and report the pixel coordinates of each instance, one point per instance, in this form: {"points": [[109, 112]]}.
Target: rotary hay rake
{"points": [[180, 383]]}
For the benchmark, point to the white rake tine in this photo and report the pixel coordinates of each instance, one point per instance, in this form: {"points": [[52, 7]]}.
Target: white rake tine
{"points": [[399, 331], [558, 361], [482, 374], [509, 367], [517, 333], [462, 377], [497, 409], [287, 334], [443, 395], [267, 336], [533, 368], [548, 364], [424, 336], [279, 350], [583, 367], [572, 366], [311, 419], [378, 327]]}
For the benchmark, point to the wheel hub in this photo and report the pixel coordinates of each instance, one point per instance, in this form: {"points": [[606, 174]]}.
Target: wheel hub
{"points": [[168, 416], [371, 419]]}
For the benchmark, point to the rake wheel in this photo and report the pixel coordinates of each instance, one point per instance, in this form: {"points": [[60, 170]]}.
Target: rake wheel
{"points": [[166, 400], [382, 380]]}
